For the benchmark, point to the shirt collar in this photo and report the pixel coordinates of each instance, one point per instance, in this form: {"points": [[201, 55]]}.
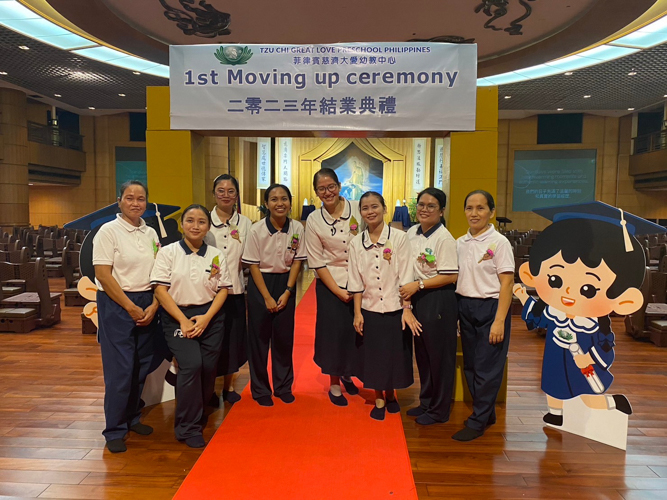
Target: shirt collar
{"points": [[578, 323], [215, 218], [482, 236], [273, 230], [129, 227], [428, 233], [201, 252], [346, 210], [382, 240]]}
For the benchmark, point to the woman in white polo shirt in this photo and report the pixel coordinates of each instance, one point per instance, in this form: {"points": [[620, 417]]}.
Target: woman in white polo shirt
{"points": [[380, 263], [229, 231], [191, 281], [328, 234], [123, 255], [484, 292], [435, 266], [274, 251]]}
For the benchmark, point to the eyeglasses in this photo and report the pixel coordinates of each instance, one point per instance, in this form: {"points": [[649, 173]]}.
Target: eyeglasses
{"points": [[222, 192], [323, 189], [428, 208]]}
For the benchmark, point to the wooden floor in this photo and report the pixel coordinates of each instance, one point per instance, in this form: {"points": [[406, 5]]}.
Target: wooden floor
{"points": [[51, 418]]}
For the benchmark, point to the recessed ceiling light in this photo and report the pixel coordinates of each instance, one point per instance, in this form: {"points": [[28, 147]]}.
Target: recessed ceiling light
{"points": [[632, 73], [3, 72], [24, 47], [29, 184], [508, 97], [91, 107], [586, 96], [57, 95], [559, 109], [121, 95], [136, 73], [568, 73], [631, 109], [664, 95]]}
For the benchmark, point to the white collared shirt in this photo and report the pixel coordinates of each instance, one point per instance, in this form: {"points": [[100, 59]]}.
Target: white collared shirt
{"points": [[191, 277], [377, 276], [433, 252], [273, 250], [231, 238], [328, 240], [478, 275], [129, 250]]}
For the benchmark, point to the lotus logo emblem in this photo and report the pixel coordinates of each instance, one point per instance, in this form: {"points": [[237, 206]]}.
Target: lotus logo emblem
{"points": [[233, 54]]}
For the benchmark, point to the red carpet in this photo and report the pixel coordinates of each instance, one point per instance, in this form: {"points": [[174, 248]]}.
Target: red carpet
{"points": [[310, 449]]}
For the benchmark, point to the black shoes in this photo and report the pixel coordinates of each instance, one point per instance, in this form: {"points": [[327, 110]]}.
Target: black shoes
{"points": [[350, 388], [467, 434], [116, 446], [141, 429], [338, 400]]}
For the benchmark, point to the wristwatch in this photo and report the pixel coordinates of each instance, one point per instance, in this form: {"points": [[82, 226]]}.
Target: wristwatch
{"points": [[421, 284], [291, 289]]}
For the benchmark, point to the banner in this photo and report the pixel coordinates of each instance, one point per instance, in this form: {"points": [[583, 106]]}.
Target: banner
{"points": [[347, 86], [418, 162], [285, 164], [263, 163], [439, 162]]}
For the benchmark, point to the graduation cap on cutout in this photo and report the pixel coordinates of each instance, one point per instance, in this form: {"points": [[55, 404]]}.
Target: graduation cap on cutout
{"points": [[599, 211], [103, 215], [93, 221]]}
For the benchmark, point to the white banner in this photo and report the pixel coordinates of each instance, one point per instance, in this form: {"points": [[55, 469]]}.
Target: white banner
{"points": [[285, 163], [418, 163], [347, 86], [439, 161], [263, 162]]}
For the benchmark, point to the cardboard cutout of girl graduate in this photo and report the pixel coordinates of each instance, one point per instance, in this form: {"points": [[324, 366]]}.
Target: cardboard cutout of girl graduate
{"points": [[583, 267]]}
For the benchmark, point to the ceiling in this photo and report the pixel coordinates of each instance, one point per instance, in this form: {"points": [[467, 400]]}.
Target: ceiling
{"points": [[611, 89], [549, 29]]}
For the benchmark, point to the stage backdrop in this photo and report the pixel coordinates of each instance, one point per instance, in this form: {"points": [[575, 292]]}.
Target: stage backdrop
{"points": [[351, 86]]}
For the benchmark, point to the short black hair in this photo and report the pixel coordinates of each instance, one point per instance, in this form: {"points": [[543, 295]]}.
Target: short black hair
{"points": [[439, 195], [593, 242], [197, 206], [133, 182], [276, 186], [373, 193], [486, 194], [324, 172], [226, 177]]}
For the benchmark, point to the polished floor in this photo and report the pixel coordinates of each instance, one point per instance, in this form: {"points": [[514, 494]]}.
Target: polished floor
{"points": [[51, 416]]}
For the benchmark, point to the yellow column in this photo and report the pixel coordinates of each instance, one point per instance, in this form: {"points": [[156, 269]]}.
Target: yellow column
{"points": [[175, 161], [13, 159], [474, 159]]}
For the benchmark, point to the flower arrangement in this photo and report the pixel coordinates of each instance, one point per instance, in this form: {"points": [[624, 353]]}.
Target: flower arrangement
{"points": [[386, 254], [488, 255], [234, 233]]}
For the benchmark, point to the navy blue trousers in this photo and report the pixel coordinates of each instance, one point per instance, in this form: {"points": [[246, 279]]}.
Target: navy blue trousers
{"points": [[483, 363], [127, 355], [274, 330]]}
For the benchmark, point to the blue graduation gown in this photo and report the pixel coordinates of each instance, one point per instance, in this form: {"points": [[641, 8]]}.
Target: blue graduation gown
{"points": [[561, 378]]}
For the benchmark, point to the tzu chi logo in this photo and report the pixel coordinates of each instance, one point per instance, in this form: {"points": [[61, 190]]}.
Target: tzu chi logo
{"points": [[233, 55]]}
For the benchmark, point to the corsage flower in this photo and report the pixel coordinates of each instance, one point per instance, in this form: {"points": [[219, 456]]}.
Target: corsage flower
{"points": [[354, 225], [427, 256], [234, 233], [488, 255], [294, 245], [215, 267], [156, 248]]}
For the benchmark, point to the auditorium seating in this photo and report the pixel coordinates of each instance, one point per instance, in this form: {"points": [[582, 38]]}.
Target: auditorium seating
{"points": [[37, 296]]}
